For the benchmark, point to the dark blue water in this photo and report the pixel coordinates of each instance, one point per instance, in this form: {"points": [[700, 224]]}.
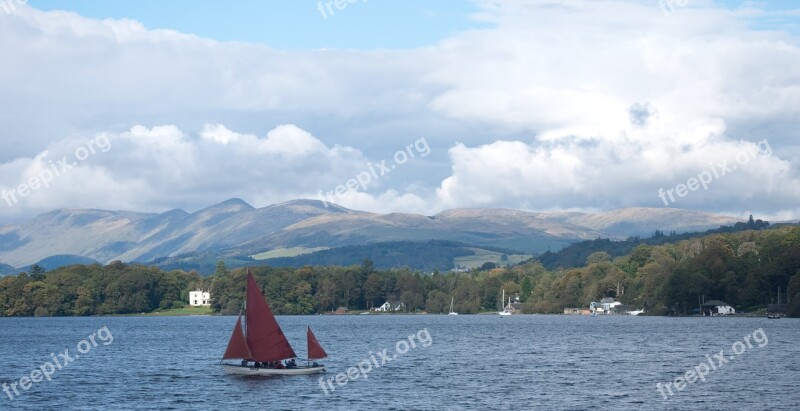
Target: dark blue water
{"points": [[472, 362]]}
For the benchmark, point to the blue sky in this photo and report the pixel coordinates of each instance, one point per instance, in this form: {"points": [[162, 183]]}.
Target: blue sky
{"points": [[299, 24], [541, 105], [292, 24]]}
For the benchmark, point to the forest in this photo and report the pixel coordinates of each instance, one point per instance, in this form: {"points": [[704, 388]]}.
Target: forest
{"points": [[575, 255], [745, 269], [419, 255]]}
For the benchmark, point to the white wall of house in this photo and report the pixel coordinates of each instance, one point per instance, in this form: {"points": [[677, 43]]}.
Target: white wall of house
{"points": [[726, 310], [608, 307], [385, 307], [604, 307], [199, 298]]}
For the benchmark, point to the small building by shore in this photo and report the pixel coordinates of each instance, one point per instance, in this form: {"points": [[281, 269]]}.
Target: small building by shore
{"points": [[577, 311], [715, 308], [199, 298]]}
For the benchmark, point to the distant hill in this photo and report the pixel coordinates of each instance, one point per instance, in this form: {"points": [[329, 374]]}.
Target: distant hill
{"points": [[418, 255], [234, 228], [6, 269], [203, 263], [56, 261], [426, 256], [575, 255]]}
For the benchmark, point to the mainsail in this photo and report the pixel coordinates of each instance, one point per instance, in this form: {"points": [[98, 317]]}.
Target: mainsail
{"points": [[264, 340], [315, 350]]}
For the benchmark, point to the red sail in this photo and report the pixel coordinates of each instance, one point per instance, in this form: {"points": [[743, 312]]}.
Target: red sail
{"points": [[264, 335], [315, 350], [237, 346]]}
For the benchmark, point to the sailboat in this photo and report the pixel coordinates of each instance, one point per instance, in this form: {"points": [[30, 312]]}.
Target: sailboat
{"points": [[451, 307], [506, 310], [776, 315], [262, 345]]}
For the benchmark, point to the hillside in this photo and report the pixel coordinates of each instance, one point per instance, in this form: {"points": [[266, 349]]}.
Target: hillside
{"points": [[6, 269], [234, 228], [575, 255], [56, 261], [423, 256], [745, 269]]}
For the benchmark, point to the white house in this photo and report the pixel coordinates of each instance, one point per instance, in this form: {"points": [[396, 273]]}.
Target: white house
{"points": [[387, 307], [717, 307], [605, 306], [199, 298]]}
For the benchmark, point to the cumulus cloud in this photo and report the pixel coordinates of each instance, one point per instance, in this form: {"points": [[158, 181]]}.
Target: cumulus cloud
{"points": [[620, 101], [162, 167], [561, 104], [599, 175]]}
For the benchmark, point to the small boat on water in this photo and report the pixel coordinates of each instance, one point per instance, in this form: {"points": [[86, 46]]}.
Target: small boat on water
{"points": [[776, 311], [262, 346], [451, 307], [507, 309]]}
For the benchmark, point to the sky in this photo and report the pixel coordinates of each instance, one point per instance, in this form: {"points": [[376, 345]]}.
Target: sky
{"points": [[414, 106]]}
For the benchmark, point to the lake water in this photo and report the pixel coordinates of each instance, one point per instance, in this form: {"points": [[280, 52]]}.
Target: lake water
{"points": [[471, 362]]}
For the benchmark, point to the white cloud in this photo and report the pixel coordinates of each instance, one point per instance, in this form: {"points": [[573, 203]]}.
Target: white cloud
{"points": [[542, 104], [161, 167], [596, 174]]}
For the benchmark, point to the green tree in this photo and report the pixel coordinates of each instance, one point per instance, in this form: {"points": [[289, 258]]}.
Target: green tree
{"points": [[37, 272], [373, 290], [527, 289], [598, 257], [221, 270], [367, 267]]}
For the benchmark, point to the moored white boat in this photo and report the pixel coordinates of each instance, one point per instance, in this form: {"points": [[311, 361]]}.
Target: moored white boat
{"points": [[451, 307], [506, 311]]}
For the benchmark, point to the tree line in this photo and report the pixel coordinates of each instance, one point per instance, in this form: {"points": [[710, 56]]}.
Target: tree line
{"points": [[744, 269], [575, 255]]}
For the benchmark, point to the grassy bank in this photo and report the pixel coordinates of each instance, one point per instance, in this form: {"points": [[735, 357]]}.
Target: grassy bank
{"points": [[178, 312]]}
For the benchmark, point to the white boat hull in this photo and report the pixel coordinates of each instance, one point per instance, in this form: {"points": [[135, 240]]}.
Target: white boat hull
{"points": [[504, 313], [233, 369]]}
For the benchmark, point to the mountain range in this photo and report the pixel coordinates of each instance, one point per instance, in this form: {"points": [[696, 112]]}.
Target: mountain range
{"points": [[235, 228]]}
